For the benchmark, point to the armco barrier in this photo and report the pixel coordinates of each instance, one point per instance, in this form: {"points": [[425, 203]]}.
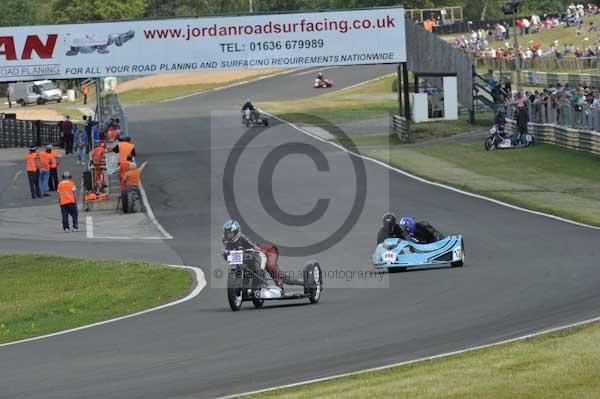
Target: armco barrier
{"points": [[401, 128], [576, 139], [24, 133]]}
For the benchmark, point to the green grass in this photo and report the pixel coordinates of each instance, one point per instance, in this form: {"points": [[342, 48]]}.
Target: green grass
{"points": [[368, 101], [157, 94], [562, 365], [43, 294], [543, 177]]}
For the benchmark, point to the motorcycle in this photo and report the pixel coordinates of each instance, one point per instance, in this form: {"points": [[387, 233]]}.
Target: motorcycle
{"points": [[253, 118], [322, 83], [246, 281], [497, 140]]}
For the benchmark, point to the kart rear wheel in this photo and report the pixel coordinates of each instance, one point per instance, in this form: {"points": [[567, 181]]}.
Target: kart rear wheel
{"points": [[313, 280], [258, 303], [461, 262], [234, 291], [266, 122], [396, 269]]}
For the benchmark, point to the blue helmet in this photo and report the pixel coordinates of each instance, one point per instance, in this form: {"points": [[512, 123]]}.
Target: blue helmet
{"points": [[408, 224], [231, 231]]}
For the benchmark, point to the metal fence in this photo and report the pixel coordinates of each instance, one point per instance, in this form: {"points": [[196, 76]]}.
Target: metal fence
{"points": [[112, 109], [566, 115], [21, 133], [540, 63]]}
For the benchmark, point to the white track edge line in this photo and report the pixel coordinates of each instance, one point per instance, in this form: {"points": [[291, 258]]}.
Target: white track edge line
{"points": [[160, 228], [200, 284], [89, 227], [423, 180], [419, 360], [231, 85]]}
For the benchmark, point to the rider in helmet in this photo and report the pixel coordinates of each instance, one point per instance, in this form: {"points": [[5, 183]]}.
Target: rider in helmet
{"points": [[267, 255], [320, 76], [500, 120], [253, 111], [419, 232], [389, 229]]}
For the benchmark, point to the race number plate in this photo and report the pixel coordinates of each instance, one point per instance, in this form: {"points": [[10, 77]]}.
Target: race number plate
{"points": [[389, 257], [456, 254], [236, 257]]}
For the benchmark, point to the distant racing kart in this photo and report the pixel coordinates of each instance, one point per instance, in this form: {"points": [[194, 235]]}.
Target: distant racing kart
{"points": [[254, 118], [90, 43], [395, 254], [322, 83]]}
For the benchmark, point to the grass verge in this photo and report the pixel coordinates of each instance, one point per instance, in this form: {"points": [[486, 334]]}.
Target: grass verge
{"points": [[544, 178], [43, 294], [368, 101], [554, 366], [157, 94]]}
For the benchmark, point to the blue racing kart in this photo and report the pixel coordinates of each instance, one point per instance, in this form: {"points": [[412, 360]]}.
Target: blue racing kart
{"points": [[395, 254]]}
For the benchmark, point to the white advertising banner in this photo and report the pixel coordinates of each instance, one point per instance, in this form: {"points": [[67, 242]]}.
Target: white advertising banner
{"points": [[367, 36]]}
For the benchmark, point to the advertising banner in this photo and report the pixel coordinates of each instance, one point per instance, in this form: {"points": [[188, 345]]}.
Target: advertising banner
{"points": [[367, 36]]}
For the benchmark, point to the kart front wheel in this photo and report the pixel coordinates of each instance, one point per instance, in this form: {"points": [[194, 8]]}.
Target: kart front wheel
{"points": [[234, 291], [258, 303], [490, 144]]}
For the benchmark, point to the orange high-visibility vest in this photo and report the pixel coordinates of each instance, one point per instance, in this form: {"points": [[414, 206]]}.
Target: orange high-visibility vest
{"points": [[125, 150], [133, 178], [54, 160], [45, 159], [124, 167], [66, 195], [85, 89], [30, 165], [98, 155]]}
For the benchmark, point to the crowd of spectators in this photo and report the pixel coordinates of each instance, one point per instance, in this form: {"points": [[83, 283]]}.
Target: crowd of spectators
{"points": [[479, 42]]}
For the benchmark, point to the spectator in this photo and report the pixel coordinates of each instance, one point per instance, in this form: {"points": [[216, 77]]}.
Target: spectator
{"points": [[81, 144], [88, 132], [85, 90], [67, 128], [10, 93], [96, 133]]}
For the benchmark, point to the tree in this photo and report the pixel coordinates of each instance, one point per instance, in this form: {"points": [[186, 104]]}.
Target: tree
{"points": [[96, 10], [17, 13]]}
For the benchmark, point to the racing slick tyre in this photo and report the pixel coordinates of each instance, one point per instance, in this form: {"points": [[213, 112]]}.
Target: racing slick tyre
{"points": [[247, 122], [396, 269], [313, 281], [490, 144], [258, 303], [461, 262], [234, 290], [266, 122]]}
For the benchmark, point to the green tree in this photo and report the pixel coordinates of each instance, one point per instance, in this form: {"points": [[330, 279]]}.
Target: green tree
{"points": [[17, 12], [96, 10]]}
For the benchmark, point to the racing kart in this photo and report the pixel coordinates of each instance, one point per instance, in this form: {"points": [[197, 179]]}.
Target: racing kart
{"points": [[248, 282], [497, 139], [322, 83], [395, 254], [254, 118], [90, 43]]}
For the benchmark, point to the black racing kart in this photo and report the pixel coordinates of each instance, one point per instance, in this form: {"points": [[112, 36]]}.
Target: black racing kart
{"points": [[248, 282], [254, 118]]}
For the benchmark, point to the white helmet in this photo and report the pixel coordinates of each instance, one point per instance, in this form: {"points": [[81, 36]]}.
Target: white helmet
{"points": [[231, 231]]}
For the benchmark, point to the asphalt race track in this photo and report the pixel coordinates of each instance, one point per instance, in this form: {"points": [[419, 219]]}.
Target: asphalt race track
{"points": [[523, 272]]}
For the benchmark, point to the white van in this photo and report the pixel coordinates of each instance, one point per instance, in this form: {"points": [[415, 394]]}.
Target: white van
{"points": [[38, 92]]}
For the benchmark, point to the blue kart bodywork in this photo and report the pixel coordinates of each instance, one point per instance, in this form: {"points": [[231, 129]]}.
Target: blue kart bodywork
{"points": [[395, 253]]}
